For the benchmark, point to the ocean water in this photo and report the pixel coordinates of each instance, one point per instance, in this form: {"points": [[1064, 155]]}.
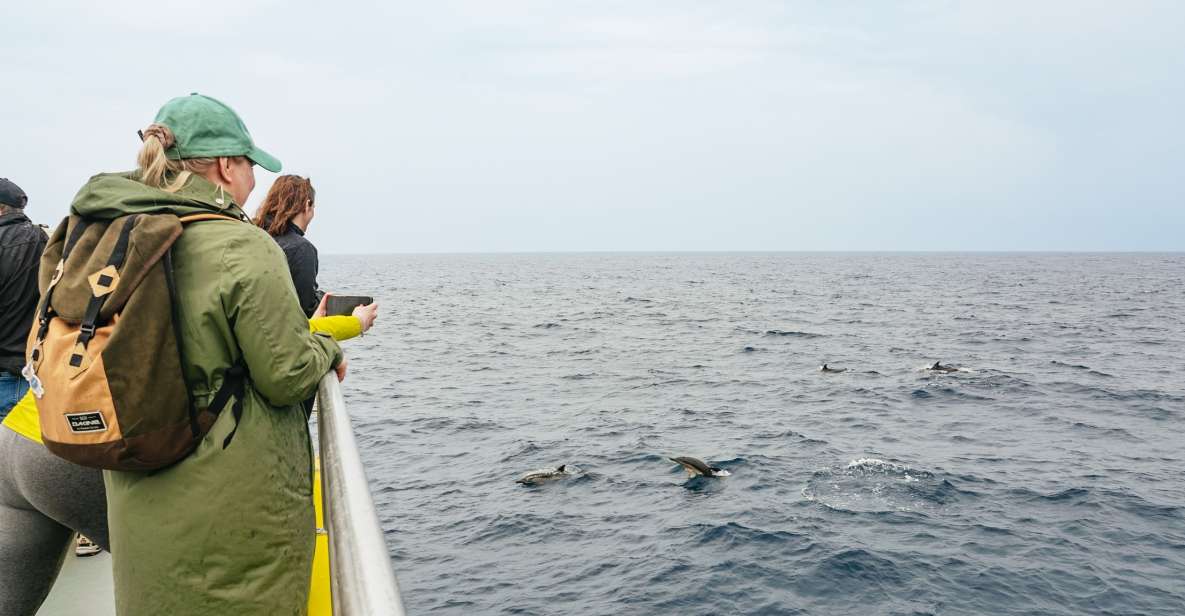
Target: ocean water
{"points": [[1045, 477]]}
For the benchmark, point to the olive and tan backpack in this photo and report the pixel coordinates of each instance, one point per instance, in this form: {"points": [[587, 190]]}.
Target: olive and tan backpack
{"points": [[104, 355]]}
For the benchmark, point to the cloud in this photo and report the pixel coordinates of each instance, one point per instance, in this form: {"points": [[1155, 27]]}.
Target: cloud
{"points": [[530, 125], [155, 18]]}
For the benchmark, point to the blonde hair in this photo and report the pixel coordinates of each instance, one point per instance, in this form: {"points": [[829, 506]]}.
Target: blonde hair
{"points": [[157, 169]]}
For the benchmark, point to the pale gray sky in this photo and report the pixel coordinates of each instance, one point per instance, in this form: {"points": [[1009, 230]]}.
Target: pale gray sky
{"points": [[483, 125]]}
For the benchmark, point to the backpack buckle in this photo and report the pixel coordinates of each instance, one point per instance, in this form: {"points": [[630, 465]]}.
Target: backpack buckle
{"points": [[88, 330]]}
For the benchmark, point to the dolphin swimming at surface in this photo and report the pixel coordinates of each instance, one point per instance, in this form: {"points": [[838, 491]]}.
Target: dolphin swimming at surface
{"points": [[938, 367], [543, 475], [696, 467], [830, 370]]}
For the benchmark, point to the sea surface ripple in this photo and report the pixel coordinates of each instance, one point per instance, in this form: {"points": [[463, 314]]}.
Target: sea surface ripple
{"points": [[1043, 478]]}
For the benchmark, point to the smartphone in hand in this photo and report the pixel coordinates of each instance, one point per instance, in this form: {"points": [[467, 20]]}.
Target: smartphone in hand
{"points": [[344, 305]]}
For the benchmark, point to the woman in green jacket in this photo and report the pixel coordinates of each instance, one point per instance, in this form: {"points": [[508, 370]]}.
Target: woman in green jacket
{"points": [[227, 529], [44, 499]]}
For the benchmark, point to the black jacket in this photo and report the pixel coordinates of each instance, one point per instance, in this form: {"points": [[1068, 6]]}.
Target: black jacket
{"points": [[21, 245], [302, 264]]}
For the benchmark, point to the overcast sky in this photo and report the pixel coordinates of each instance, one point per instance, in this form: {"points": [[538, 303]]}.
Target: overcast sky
{"points": [[484, 125]]}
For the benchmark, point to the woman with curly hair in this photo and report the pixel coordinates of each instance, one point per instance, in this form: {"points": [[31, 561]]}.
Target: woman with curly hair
{"points": [[285, 214]]}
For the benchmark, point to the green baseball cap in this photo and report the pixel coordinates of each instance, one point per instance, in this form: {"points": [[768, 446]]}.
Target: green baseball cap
{"points": [[205, 127]]}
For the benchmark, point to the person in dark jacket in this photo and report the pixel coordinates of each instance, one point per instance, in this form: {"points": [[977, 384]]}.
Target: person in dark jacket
{"points": [[286, 212], [21, 245]]}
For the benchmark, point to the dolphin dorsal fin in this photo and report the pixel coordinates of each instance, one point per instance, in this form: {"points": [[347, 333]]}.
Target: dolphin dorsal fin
{"points": [[561, 468]]}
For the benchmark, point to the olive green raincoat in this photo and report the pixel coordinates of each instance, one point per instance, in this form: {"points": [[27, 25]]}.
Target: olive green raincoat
{"points": [[226, 530]]}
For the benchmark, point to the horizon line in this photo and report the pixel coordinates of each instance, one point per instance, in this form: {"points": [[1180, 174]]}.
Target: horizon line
{"points": [[755, 252]]}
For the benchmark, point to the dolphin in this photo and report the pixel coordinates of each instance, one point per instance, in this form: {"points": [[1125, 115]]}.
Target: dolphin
{"points": [[697, 467], [938, 367], [830, 370], [543, 475]]}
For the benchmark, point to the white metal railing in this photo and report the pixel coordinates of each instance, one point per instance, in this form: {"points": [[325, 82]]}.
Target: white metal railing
{"points": [[362, 580]]}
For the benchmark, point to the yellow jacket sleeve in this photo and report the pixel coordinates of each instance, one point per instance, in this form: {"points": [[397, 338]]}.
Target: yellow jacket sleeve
{"points": [[340, 327], [23, 419]]}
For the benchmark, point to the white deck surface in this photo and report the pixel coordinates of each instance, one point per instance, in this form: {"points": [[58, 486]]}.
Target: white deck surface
{"points": [[83, 588]]}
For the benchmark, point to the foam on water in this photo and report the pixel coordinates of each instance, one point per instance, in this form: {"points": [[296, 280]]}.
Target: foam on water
{"points": [[873, 485]]}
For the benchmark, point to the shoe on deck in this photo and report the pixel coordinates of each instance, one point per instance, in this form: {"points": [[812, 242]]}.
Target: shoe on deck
{"points": [[86, 547]]}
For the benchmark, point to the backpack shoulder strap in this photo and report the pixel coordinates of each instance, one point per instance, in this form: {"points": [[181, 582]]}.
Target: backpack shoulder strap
{"points": [[234, 380], [199, 217]]}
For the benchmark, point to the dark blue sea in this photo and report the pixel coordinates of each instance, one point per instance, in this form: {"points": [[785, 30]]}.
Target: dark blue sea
{"points": [[1043, 477]]}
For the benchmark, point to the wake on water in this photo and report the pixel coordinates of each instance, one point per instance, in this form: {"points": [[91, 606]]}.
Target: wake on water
{"points": [[871, 485]]}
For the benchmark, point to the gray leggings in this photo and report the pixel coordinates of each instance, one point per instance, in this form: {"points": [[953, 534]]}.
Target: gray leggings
{"points": [[43, 501]]}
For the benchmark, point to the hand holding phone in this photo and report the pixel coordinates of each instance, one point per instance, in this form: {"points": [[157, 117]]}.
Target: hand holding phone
{"points": [[366, 315], [344, 305]]}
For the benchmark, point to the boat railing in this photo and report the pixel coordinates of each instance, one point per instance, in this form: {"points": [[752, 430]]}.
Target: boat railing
{"points": [[362, 580]]}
